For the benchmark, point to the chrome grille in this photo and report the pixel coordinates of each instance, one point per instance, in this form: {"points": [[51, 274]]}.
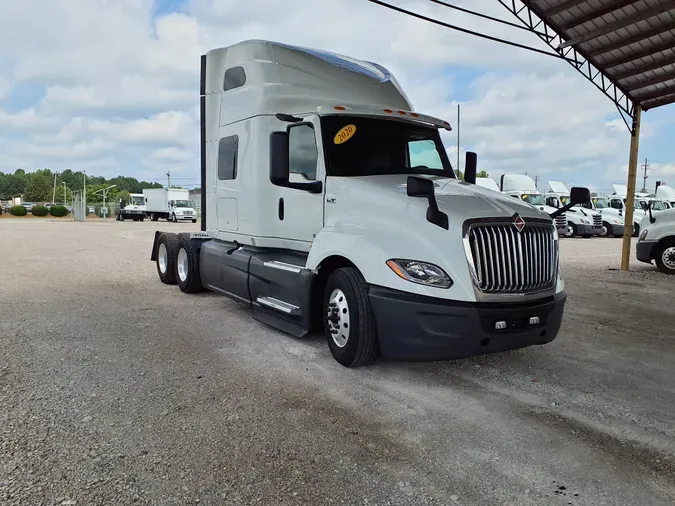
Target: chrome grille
{"points": [[508, 261], [561, 221], [597, 221]]}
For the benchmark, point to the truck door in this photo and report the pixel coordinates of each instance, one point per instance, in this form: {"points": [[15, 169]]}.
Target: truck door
{"points": [[300, 214]]}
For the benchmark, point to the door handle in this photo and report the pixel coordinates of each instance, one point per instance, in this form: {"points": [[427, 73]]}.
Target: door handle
{"points": [[330, 200], [281, 209]]}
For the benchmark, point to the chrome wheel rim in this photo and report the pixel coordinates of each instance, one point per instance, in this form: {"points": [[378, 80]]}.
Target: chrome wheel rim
{"points": [[163, 258], [604, 231], [569, 231], [668, 258], [182, 264], [337, 316]]}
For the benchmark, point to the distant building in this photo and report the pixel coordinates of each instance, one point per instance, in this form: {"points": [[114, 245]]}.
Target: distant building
{"points": [[196, 198]]}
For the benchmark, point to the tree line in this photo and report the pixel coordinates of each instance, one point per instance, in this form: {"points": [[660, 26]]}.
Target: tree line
{"points": [[38, 186]]}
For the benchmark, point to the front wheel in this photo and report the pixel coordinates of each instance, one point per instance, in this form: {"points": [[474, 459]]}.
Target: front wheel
{"points": [[665, 257], [606, 229], [173, 218], [194, 221], [348, 321], [636, 230], [571, 230]]}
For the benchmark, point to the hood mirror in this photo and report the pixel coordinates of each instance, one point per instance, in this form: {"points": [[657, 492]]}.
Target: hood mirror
{"points": [[423, 187]]}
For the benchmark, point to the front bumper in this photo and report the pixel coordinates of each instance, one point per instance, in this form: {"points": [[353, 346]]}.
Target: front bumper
{"points": [[616, 230], [588, 230], [643, 251], [414, 327], [185, 217]]}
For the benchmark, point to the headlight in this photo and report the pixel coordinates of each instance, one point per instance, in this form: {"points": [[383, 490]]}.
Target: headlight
{"points": [[618, 222], [420, 272], [585, 222], [643, 234]]}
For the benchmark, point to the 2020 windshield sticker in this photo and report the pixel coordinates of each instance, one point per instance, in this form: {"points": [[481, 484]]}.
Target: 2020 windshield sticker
{"points": [[344, 134]]}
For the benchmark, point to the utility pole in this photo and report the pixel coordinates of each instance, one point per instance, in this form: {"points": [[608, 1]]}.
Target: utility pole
{"points": [[645, 168], [54, 194], [536, 181], [168, 174], [84, 195], [458, 138]]}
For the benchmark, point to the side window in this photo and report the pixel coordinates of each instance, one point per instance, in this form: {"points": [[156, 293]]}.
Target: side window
{"points": [[302, 150], [616, 204], [424, 153], [234, 78], [227, 157]]}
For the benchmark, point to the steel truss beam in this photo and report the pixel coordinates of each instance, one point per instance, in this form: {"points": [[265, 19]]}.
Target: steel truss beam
{"points": [[579, 61]]}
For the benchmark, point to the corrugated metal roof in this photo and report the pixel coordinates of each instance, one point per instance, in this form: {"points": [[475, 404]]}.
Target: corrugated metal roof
{"points": [[632, 42]]}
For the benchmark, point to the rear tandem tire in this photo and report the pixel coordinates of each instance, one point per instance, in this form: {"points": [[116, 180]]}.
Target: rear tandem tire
{"points": [[187, 265], [167, 246], [348, 320]]}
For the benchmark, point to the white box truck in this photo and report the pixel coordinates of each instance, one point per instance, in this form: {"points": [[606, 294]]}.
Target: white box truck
{"points": [[172, 204], [329, 203]]}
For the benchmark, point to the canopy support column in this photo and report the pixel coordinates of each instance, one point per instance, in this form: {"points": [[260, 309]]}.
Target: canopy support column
{"points": [[630, 197]]}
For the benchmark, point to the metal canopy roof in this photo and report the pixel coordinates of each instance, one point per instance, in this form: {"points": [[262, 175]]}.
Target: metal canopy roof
{"points": [[625, 47]]}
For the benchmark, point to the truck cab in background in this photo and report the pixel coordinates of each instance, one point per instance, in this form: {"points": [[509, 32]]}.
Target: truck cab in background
{"points": [[666, 194], [656, 242], [132, 208], [612, 219], [523, 187], [330, 205], [580, 222]]}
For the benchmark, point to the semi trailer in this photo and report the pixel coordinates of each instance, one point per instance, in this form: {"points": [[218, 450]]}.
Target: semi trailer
{"points": [[329, 203], [171, 204]]}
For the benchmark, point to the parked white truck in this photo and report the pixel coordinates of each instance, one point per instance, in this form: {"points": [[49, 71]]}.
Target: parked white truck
{"points": [[657, 240], [172, 204], [666, 193], [612, 219], [580, 222], [132, 208], [523, 187], [328, 202]]}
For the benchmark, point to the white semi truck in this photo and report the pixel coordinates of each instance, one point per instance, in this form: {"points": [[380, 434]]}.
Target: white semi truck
{"points": [[613, 220], [132, 208], [523, 187], [171, 204], [657, 240], [667, 194], [329, 203], [580, 222]]}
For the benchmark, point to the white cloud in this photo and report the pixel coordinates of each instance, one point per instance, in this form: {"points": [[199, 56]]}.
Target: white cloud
{"points": [[121, 87]]}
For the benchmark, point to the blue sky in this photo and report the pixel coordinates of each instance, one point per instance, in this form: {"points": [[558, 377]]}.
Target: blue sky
{"points": [[112, 87]]}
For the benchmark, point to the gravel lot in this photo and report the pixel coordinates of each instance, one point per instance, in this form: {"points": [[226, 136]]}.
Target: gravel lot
{"points": [[117, 389]]}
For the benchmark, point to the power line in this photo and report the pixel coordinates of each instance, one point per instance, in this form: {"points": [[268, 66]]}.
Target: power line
{"points": [[470, 32], [491, 18]]}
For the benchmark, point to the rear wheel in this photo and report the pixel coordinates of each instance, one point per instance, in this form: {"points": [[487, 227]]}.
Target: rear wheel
{"points": [[348, 321], [187, 266], [665, 257], [154, 217], [166, 258]]}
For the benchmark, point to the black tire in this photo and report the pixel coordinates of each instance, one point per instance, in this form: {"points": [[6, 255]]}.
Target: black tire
{"points": [[120, 217], [360, 347], [173, 218], [665, 256], [170, 242], [154, 217], [142, 218], [194, 221], [636, 230], [192, 282], [607, 229], [571, 230]]}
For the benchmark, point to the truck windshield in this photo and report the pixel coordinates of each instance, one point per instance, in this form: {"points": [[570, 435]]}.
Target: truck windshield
{"points": [[183, 203], [137, 201], [358, 146], [534, 199], [657, 205], [600, 203]]}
